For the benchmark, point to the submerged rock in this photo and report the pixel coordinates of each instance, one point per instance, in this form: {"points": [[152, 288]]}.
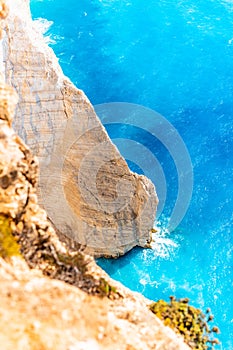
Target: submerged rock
{"points": [[86, 187]]}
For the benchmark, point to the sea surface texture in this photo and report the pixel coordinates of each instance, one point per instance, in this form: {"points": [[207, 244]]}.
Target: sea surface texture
{"points": [[176, 58]]}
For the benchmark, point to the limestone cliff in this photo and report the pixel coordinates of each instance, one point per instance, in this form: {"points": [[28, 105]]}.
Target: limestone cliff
{"points": [[86, 186], [38, 313]]}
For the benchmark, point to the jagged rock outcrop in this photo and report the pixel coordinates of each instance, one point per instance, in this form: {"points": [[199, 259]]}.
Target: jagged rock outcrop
{"points": [[38, 313], [18, 201], [86, 187]]}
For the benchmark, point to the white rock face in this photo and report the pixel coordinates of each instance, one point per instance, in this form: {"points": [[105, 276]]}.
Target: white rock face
{"points": [[86, 187]]}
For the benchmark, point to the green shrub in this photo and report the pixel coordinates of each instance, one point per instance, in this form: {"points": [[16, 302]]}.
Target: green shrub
{"points": [[105, 289], [8, 245], [187, 320]]}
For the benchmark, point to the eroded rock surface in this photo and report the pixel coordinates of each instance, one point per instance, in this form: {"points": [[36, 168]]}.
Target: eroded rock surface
{"points": [[86, 186], [38, 242], [38, 313]]}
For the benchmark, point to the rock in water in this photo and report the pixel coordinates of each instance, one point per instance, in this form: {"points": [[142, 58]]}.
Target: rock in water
{"points": [[86, 187]]}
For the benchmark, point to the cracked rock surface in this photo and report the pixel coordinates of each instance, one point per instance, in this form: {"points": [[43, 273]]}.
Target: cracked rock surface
{"points": [[86, 187], [41, 313]]}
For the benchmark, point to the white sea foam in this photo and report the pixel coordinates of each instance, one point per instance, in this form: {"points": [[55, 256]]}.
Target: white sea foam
{"points": [[228, 4], [145, 279], [42, 25], [162, 243]]}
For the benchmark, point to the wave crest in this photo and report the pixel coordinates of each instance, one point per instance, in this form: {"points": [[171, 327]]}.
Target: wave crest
{"points": [[42, 25]]}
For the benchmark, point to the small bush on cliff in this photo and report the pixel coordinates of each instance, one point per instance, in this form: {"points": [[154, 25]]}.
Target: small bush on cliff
{"points": [[187, 320], [103, 289], [8, 244]]}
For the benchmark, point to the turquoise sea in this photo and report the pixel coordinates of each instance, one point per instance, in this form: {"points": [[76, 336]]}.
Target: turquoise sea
{"points": [[176, 58]]}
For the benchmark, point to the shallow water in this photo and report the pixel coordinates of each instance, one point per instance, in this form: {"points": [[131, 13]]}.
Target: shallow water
{"points": [[175, 57]]}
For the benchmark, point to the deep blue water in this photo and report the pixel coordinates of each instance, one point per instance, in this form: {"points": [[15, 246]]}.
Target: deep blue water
{"points": [[175, 57]]}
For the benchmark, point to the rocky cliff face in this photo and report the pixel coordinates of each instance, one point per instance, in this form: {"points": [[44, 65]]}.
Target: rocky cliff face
{"points": [[90, 311], [86, 186], [59, 316]]}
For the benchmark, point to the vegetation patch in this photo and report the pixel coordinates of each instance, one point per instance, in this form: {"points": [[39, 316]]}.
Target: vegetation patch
{"points": [[8, 245], [103, 288], [187, 320]]}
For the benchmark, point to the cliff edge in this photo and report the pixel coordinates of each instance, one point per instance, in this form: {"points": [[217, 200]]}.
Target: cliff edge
{"points": [[89, 311], [86, 186]]}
